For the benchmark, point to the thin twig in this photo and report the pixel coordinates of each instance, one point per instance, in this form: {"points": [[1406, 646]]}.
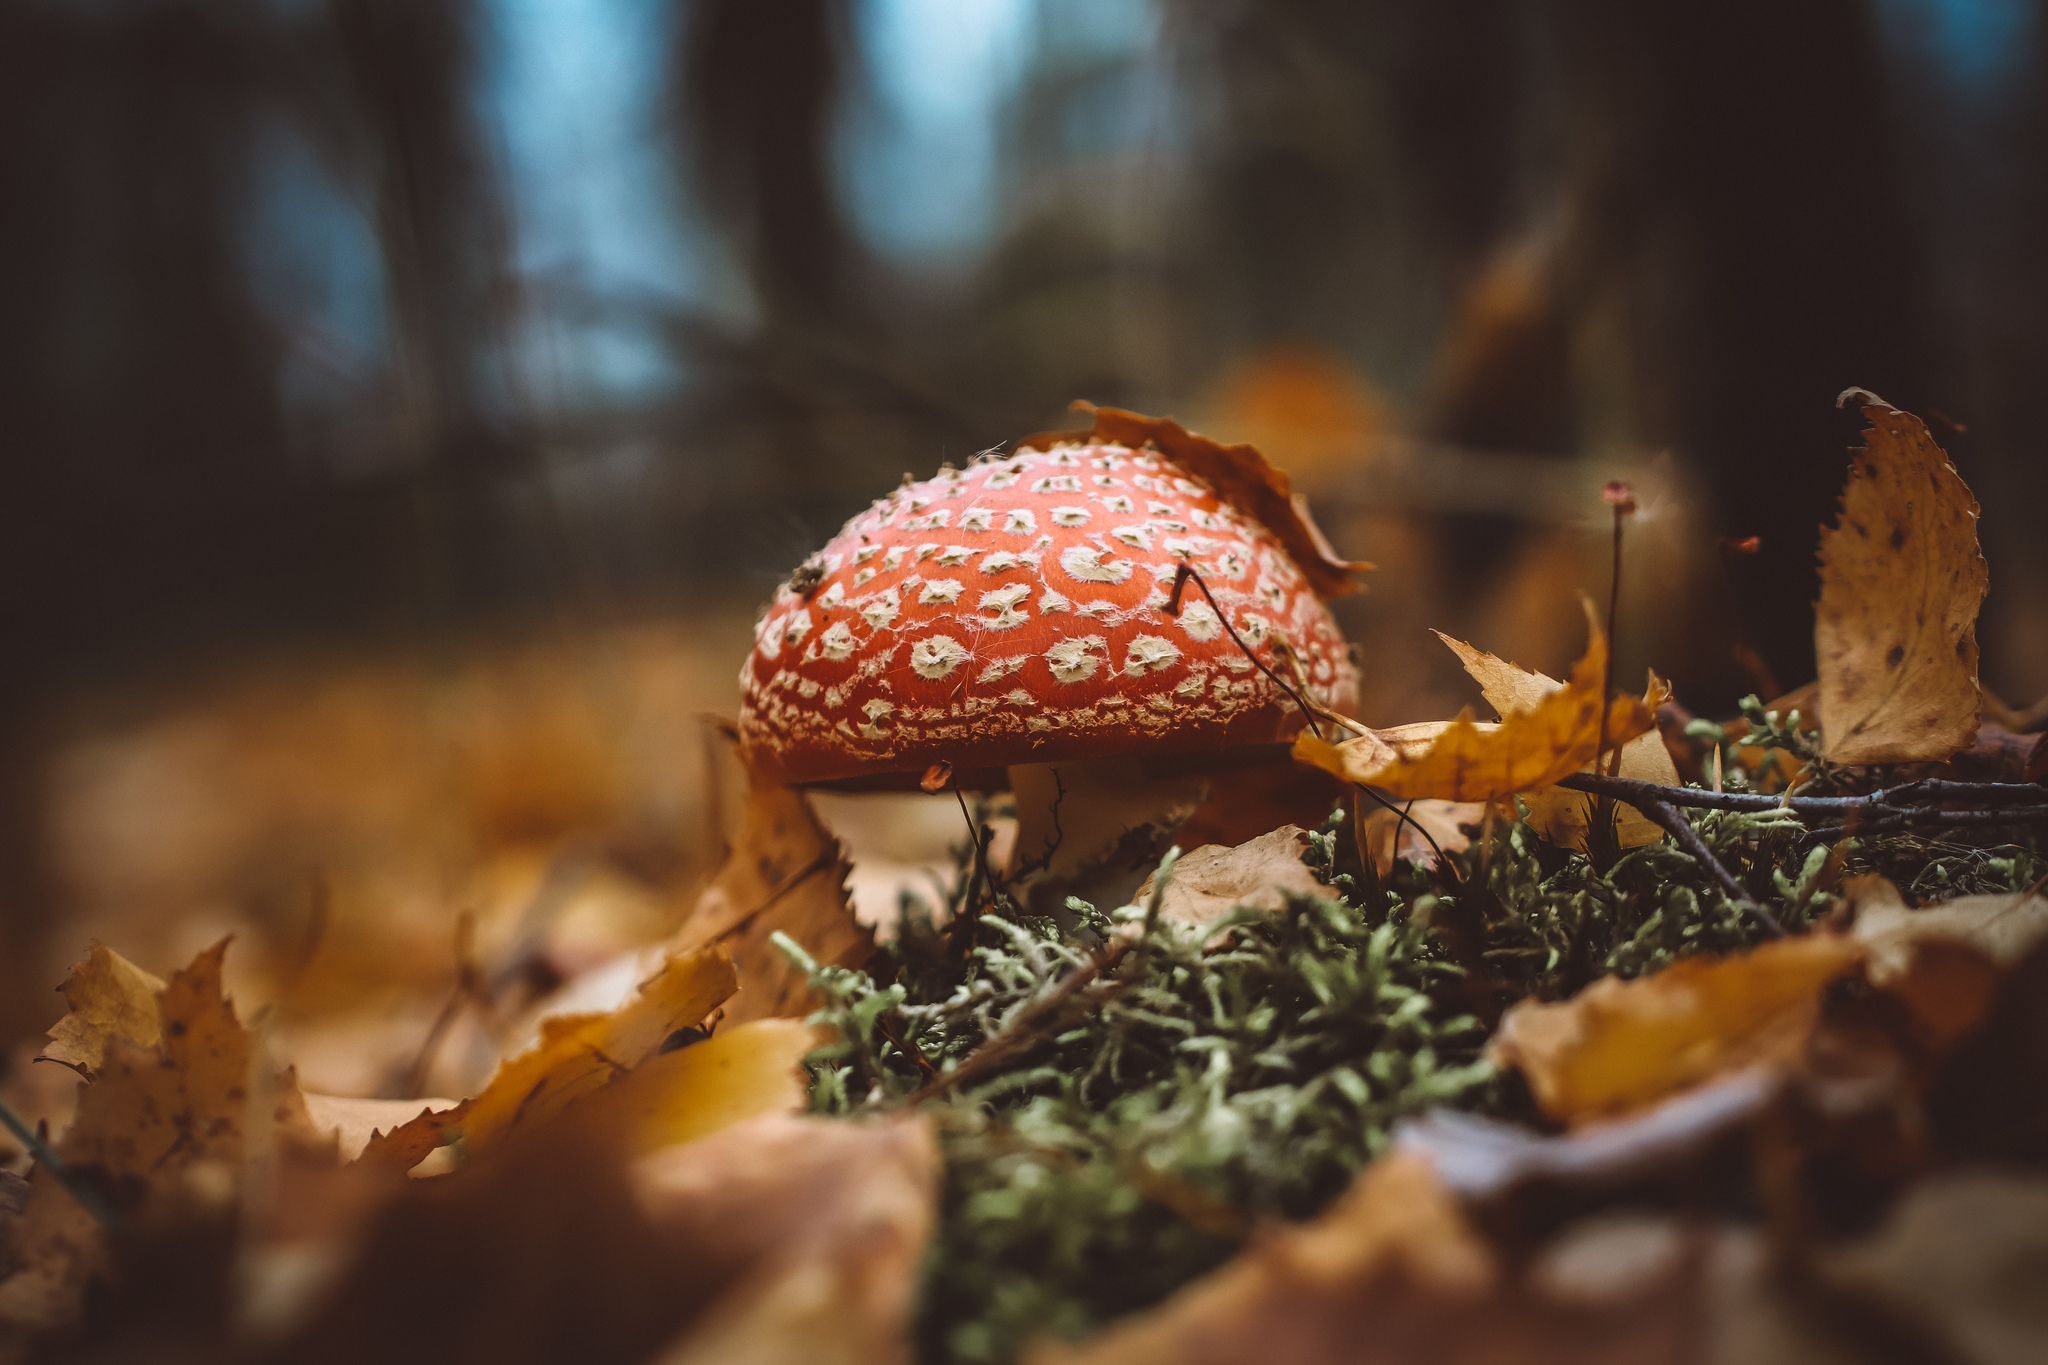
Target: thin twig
{"points": [[1909, 794], [1680, 828], [960, 933], [923, 1062], [1032, 866], [1623, 502], [1936, 819], [1181, 576]]}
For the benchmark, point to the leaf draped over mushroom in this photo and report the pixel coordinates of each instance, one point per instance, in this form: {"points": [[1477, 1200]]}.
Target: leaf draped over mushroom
{"points": [[1532, 748], [1901, 582], [1240, 475]]}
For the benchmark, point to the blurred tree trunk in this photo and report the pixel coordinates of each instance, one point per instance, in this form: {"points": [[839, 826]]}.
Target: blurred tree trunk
{"points": [[136, 378], [756, 85], [1739, 172], [446, 246]]}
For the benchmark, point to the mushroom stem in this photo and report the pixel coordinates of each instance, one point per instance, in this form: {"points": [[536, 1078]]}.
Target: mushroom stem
{"points": [[1092, 828]]}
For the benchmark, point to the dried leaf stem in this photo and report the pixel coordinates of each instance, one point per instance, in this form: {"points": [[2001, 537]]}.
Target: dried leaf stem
{"points": [[1185, 572]]}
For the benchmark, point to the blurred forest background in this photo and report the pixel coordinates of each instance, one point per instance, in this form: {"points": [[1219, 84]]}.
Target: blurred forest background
{"points": [[406, 402]]}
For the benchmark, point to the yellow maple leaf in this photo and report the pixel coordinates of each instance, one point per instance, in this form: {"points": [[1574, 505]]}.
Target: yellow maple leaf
{"points": [[1558, 814], [695, 1091], [1901, 582], [1530, 749], [579, 1054]]}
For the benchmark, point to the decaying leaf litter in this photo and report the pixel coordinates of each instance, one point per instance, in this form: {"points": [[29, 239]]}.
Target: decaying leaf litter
{"points": [[1532, 1049]]}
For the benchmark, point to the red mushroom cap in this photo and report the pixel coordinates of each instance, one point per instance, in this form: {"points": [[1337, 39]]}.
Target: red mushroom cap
{"points": [[1014, 612]]}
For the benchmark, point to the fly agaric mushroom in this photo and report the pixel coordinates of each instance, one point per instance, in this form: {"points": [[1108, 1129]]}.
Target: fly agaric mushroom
{"points": [[1014, 615]]}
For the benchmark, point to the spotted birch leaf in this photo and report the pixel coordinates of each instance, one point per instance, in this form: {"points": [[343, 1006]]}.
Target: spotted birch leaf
{"points": [[1900, 586]]}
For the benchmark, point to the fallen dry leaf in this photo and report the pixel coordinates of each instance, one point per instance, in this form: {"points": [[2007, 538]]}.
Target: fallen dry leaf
{"points": [[783, 1239], [1901, 584], [164, 1125], [1618, 1045], [1396, 1225], [1485, 1159], [187, 1101], [407, 1145], [1560, 815], [692, 1092], [108, 997], [785, 873], [1211, 881], [536, 1252], [1529, 750], [578, 1054], [2005, 927], [1392, 1272], [1240, 475]]}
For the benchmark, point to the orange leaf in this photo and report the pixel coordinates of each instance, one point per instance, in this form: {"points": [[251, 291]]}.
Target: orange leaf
{"points": [[1558, 814], [407, 1145], [1532, 747], [1618, 1045], [677, 1097]]}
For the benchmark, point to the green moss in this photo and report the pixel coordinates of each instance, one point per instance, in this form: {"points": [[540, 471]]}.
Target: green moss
{"points": [[1244, 1071]]}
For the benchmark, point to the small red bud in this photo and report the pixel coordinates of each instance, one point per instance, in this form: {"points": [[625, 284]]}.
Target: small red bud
{"points": [[1619, 496]]}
